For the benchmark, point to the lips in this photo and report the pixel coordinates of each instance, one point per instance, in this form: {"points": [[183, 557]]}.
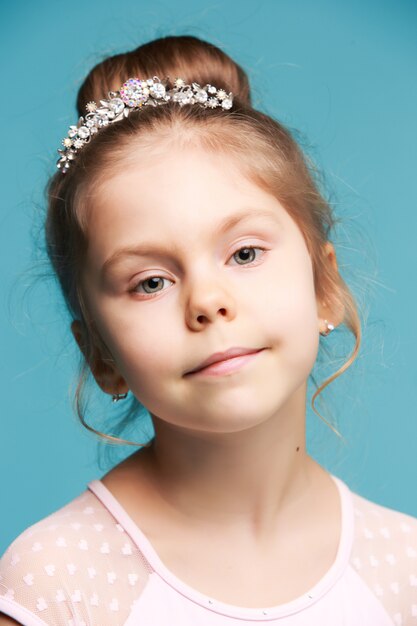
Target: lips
{"points": [[223, 356]]}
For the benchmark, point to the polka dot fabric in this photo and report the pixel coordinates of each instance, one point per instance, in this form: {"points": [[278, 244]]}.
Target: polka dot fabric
{"points": [[76, 567], [88, 564], [385, 556]]}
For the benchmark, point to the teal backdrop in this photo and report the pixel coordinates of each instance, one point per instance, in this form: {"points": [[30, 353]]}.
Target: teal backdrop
{"points": [[344, 75]]}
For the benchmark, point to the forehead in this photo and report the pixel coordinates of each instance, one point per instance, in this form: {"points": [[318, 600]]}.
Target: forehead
{"points": [[179, 184]]}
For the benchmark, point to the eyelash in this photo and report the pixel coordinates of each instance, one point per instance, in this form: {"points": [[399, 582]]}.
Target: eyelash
{"points": [[151, 295]]}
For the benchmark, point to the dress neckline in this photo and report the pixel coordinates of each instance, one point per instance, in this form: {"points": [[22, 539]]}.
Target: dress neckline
{"points": [[323, 586]]}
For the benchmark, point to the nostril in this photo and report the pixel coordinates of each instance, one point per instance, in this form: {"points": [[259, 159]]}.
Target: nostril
{"points": [[203, 318]]}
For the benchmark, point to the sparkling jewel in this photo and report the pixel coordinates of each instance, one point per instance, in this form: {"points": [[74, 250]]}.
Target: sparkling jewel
{"points": [[91, 107], [72, 131], [67, 142], [201, 95], [158, 90], [221, 94], [227, 103], [102, 121], [131, 92], [83, 132], [116, 105], [183, 97]]}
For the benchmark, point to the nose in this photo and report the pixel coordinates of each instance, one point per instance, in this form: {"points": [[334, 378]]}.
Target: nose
{"points": [[207, 301]]}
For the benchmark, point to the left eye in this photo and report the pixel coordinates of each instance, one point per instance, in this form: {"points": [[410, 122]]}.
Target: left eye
{"points": [[246, 255]]}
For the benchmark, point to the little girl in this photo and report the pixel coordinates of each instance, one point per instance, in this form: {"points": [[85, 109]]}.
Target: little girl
{"points": [[192, 247]]}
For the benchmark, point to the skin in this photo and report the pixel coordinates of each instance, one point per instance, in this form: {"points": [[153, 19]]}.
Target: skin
{"points": [[229, 459]]}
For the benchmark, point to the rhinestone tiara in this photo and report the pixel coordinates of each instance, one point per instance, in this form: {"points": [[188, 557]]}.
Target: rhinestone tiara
{"points": [[132, 95]]}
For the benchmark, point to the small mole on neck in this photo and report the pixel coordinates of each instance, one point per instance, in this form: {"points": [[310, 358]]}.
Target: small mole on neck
{"points": [[298, 447]]}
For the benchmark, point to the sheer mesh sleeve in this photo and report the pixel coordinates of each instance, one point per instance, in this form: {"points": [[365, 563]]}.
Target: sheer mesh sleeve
{"points": [[385, 556], [76, 567]]}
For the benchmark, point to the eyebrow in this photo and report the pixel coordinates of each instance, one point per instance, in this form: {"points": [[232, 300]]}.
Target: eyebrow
{"points": [[164, 250]]}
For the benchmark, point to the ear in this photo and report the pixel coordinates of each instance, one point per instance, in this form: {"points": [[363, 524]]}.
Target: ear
{"points": [[330, 307], [103, 368]]}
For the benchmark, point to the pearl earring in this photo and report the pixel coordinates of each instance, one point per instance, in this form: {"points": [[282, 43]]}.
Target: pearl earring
{"points": [[329, 328]]}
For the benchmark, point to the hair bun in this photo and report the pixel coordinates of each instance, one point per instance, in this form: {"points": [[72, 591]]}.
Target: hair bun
{"points": [[186, 57]]}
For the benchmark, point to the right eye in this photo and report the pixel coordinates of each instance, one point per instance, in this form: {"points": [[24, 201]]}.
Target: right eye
{"points": [[154, 283]]}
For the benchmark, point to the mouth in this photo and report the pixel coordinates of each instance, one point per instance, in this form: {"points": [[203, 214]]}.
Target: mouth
{"points": [[225, 362]]}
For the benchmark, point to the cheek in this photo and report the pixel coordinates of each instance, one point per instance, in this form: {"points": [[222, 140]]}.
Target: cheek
{"points": [[290, 311], [142, 342]]}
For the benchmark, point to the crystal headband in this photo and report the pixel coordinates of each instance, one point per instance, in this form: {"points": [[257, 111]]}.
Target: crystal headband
{"points": [[134, 94]]}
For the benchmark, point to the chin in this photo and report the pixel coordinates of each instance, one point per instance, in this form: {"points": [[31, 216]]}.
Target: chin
{"points": [[231, 421]]}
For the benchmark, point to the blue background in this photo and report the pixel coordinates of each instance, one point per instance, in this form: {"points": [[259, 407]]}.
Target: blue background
{"points": [[344, 75]]}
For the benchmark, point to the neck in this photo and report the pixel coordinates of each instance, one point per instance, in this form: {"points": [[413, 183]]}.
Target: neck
{"points": [[255, 475]]}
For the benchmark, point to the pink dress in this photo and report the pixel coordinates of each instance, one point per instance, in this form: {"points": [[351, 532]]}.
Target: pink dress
{"points": [[88, 564]]}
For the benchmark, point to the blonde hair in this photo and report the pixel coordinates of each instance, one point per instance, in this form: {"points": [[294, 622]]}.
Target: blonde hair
{"points": [[263, 148]]}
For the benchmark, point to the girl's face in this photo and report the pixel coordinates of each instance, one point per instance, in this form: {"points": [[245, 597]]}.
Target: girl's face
{"points": [[187, 258]]}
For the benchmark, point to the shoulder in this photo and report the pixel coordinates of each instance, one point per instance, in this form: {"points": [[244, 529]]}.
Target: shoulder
{"points": [[72, 563], [375, 521], [384, 555]]}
